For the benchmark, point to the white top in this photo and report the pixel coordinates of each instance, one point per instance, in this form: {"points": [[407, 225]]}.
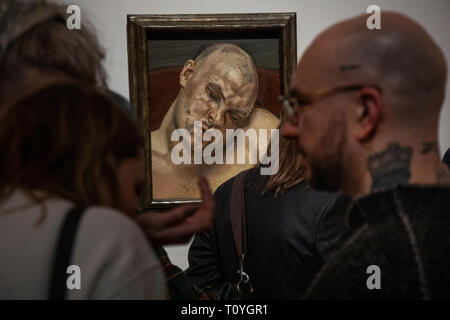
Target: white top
{"points": [[115, 258]]}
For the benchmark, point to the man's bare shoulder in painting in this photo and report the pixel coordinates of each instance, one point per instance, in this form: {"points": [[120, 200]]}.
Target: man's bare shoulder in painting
{"points": [[218, 88]]}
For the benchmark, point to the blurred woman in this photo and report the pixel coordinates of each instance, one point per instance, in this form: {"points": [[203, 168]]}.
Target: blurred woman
{"points": [[291, 231]]}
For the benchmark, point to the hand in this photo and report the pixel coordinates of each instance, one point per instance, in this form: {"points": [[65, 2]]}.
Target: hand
{"points": [[180, 224]]}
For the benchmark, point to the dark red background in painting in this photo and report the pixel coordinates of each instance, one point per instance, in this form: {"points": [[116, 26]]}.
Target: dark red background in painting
{"points": [[164, 86]]}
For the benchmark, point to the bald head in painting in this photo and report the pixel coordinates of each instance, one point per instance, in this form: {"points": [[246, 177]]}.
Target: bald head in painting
{"points": [[218, 88]]}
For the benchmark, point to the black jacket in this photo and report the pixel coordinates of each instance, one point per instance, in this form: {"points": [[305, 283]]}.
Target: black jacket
{"points": [[288, 239], [404, 231]]}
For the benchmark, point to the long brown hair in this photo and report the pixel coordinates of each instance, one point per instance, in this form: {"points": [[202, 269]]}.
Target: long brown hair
{"points": [[66, 140], [291, 170]]}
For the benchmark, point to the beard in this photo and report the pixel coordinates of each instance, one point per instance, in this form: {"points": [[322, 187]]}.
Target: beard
{"points": [[326, 172], [326, 175]]}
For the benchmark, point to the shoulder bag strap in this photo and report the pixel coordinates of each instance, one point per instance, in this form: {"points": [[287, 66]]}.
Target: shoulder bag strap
{"points": [[237, 214], [63, 253]]}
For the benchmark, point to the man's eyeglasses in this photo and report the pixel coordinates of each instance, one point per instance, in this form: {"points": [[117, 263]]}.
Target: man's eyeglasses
{"points": [[292, 105]]}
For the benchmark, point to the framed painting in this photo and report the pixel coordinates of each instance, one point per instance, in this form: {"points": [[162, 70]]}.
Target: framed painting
{"points": [[193, 78]]}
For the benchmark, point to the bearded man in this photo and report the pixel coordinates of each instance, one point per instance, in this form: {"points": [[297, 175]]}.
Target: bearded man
{"points": [[367, 106]]}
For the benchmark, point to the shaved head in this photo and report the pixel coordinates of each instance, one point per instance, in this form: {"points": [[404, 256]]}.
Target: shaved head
{"points": [[401, 58]]}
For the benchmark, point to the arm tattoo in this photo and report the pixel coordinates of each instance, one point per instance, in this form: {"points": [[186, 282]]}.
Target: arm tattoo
{"points": [[430, 146], [390, 167]]}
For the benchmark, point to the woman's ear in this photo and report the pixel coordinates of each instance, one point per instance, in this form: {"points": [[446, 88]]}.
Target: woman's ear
{"points": [[187, 72], [368, 112]]}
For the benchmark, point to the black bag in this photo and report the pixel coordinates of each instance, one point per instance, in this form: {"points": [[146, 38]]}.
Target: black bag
{"points": [[64, 248], [243, 289]]}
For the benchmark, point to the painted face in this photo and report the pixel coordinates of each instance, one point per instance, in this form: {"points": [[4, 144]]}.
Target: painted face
{"points": [[221, 93], [130, 176]]}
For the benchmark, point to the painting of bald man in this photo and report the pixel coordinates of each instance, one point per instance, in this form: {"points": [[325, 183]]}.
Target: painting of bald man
{"points": [[218, 88], [198, 89]]}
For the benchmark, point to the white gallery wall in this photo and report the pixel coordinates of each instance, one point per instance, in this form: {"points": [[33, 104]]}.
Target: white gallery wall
{"points": [[109, 18]]}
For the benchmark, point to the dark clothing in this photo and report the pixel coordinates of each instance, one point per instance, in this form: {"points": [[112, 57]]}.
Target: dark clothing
{"points": [[288, 238], [405, 231], [446, 158]]}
